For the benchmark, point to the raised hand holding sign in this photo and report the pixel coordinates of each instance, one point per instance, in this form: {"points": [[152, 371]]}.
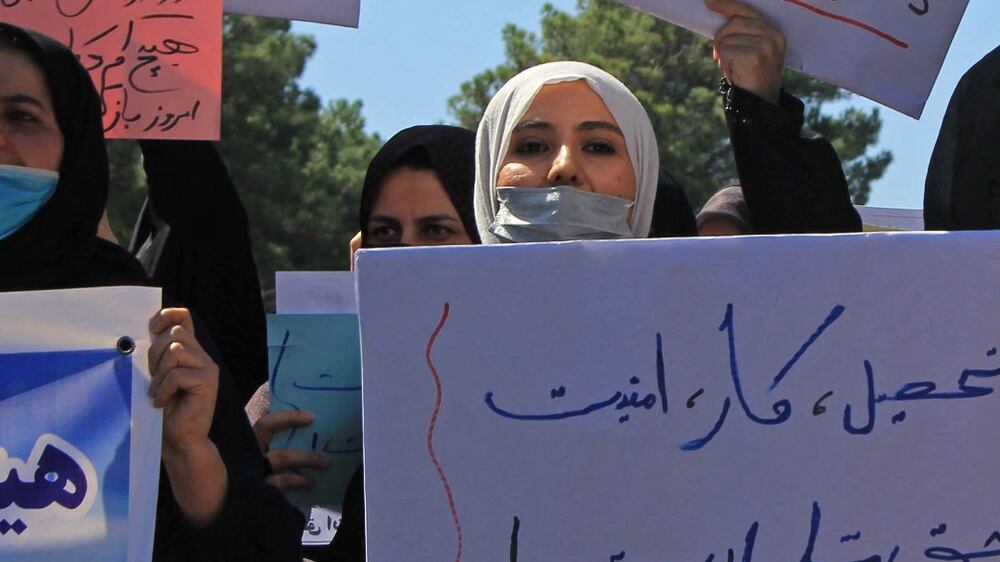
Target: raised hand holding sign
{"points": [[855, 45]]}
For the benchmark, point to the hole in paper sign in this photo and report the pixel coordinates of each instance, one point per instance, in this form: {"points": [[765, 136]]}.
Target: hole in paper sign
{"points": [[125, 345]]}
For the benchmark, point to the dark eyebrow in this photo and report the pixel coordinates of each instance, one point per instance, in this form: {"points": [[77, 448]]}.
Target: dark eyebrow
{"points": [[536, 124], [383, 218], [600, 126], [24, 98], [430, 219]]}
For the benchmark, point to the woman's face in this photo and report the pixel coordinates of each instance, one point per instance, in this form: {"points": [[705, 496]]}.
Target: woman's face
{"points": [[413, 209], [29, 132], [568, 137]]}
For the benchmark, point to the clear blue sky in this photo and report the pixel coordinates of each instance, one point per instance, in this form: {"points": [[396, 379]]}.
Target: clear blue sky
{"points": [[408, 57]]}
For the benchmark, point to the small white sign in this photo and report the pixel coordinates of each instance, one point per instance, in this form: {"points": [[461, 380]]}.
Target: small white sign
{"points": [[322, 527], [315, 292], [884, 218], [336, 12]]}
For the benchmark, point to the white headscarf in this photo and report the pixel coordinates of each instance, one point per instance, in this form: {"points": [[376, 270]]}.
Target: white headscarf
{"points": [[510, 104]]}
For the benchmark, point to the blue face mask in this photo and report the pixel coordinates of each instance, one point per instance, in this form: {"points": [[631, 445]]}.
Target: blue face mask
{"points": [[23, 191]]}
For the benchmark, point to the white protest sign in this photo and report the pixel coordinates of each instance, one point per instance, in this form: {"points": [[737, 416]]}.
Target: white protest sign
{"points": [[79, 437], [770, 399], [887, 50], [336, 12], [884, 218]]}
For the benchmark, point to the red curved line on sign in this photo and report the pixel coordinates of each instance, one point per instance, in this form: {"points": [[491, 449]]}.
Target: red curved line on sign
{"points": [[430, 433], [859, 24]]}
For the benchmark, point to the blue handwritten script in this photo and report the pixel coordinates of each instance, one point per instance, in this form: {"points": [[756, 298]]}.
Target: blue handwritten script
{"points": [[745, 552], [860, 420], [65, 430], [315, 362]]}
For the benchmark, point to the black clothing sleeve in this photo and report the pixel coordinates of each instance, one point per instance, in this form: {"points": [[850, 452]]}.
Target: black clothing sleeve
{"points": [[792, 180], [348, 544], [962, 190], [204, 256], [256, 522]]}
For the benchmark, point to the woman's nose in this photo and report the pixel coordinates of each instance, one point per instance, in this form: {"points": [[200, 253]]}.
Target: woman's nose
{"points": [[409, 237], [566, 169]]}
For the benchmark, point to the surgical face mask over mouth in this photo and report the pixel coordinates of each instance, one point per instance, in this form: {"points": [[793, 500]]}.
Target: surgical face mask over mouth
{"points": [[549, 214], [23, 191]]}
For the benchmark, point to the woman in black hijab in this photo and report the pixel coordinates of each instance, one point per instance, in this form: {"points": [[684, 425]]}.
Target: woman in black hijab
{"points": [[417, 192], [201, 253], [213, 504], [422, 178]]}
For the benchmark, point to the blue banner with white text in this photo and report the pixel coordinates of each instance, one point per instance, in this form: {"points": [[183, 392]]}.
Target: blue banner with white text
{"points": [[65, 430]]}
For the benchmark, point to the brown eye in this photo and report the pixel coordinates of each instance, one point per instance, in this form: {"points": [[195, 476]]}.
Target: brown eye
{"points": [[19, 116], [438, 232], [383, 234], [600, 147], [531, 147]]}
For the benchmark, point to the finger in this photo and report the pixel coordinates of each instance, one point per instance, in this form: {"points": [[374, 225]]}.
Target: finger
{"points": [[290, 481], [170, 316], [167, 362], [283, 460], [355, 246], [275, 422], [280, 421], [746, 26], [739, 46], [177, 356], [182, 380], [748, 54], [749, 42], [771, 38], [162, 341], [732, 8]]}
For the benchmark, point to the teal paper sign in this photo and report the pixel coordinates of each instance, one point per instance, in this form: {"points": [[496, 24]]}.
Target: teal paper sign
{"points": [[315, 365]]}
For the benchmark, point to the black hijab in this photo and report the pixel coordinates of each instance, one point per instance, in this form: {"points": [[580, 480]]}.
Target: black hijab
{"points": [[448, 151], [962, 190], [672, 214], [59, 248]]}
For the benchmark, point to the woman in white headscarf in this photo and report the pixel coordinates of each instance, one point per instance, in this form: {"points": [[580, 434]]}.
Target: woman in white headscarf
{"points": [[583, 143], [580, 137]]}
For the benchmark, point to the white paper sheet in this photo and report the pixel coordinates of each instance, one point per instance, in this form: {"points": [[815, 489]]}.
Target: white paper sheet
{"points": [[613, 401], [336, 12], [69, 323], [315, 292], [885, 218], [887, 50]]}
